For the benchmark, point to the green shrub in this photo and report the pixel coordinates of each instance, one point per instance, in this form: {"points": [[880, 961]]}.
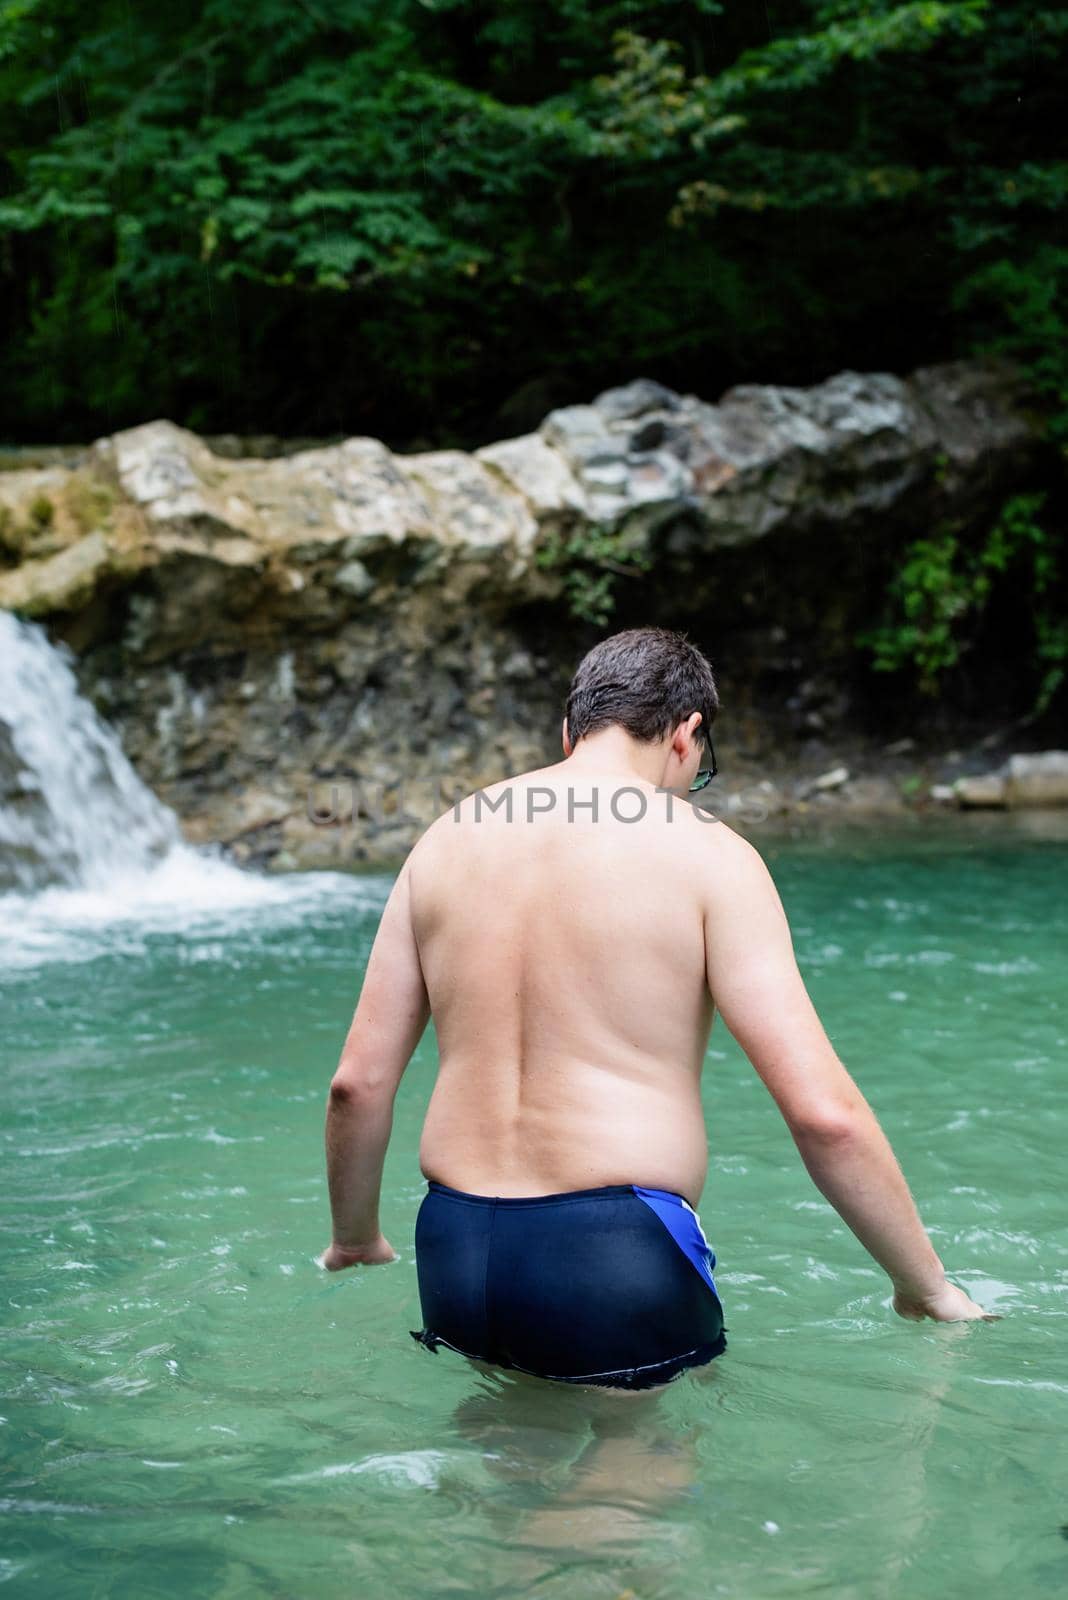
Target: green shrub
{"points": [[942, 588]]}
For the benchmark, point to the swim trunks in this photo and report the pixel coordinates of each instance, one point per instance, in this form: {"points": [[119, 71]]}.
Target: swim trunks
{"points": [[610, 1286]]}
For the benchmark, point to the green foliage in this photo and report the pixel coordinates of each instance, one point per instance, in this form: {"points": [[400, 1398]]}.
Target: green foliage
{"points": [[1025, 305], [1018, 533], [591, 561], [42, 511], [929, 596], [326, 216], [386, 216], [942, 588]]}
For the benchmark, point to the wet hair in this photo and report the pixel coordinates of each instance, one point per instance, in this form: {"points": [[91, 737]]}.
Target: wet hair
{"points": [[646, 680]]}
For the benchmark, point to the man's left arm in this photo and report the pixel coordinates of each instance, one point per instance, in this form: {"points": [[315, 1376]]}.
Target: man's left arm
{"points": [[392, 1013]]}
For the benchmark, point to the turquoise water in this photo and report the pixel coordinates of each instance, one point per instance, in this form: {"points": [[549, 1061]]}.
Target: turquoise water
{"points": [[193, 1408]]}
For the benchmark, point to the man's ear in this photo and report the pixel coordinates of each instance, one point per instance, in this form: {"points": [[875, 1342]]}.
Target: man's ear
{"points": [[690, 726], [565, 738]]}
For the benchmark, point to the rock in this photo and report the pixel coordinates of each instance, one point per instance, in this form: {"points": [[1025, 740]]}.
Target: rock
{"points": [[1040, 779], [985, 789], [873, 792], [353, 578], [471, 508], [62, 582], [942, 794], [577, 432], [635, 399], [29, 526], [961, 404], [172, 476], [641, 487], [538, 472], [258, 619], [519, 665], [14, 457], [756, 802], [832, 779]]}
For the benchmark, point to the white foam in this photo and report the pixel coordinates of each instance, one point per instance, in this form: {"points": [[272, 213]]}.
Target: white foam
{"points": [[119, 870], [189, 895], [421, 1468]]}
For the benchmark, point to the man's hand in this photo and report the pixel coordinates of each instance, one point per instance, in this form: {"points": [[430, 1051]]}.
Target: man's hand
{"points": [[375, 1254], [947, 1304]]}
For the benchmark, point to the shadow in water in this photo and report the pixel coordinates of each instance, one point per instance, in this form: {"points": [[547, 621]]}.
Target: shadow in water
{"points": [[595, 1474], [612, 1484]]}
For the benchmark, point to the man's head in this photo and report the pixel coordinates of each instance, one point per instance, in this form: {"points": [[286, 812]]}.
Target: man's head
{"points": [[654, 686]]}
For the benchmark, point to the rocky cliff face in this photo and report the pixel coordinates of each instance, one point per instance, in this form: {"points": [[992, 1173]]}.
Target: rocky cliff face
{"points": [[297, 651]]}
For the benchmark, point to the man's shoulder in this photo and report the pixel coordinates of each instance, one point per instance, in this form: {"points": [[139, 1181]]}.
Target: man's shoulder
{"points": [[469, 806], [695, 821], [702, 835], [722, 860]]}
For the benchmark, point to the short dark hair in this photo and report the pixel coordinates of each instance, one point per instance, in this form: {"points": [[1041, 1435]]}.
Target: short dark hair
{"points": [[646, 680]]}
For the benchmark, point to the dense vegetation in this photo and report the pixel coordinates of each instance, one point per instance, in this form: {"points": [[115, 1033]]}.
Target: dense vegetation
{"points": [[431, 219]]}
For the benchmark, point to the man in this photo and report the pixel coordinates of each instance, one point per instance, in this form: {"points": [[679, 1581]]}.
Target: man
{"points": [[573, 931]]}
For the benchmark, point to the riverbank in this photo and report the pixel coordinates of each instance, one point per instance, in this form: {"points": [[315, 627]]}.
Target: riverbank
{"points": [[850, 787], [302, 651]]}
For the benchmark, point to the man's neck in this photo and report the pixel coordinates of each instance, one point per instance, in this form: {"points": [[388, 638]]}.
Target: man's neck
{"points": [[615, 757]]}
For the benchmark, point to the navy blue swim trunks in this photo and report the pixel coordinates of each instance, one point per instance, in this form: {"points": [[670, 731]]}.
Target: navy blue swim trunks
{"points": [[610, 1286]]}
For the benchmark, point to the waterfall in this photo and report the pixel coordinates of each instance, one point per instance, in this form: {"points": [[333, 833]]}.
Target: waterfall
{"points": [[81, 837], [90, 860], [72, 809]]}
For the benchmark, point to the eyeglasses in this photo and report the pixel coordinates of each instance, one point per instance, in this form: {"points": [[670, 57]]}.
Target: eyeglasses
{"points": [[705, 774]]}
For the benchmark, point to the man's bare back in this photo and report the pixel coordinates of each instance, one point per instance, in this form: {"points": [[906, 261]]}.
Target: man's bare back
{"points": [[573, 931], [563, 950]]}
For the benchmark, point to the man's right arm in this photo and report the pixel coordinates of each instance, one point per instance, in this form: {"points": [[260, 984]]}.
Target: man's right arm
{"points": [[754, 979]]}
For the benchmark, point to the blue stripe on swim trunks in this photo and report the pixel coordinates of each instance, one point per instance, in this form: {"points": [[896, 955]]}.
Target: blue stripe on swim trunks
{"points": [[684, 1225]]}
